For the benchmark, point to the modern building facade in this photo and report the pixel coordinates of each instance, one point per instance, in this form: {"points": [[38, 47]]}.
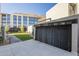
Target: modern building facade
{"points": [[62, 10], [62, 30], [19, 20]]}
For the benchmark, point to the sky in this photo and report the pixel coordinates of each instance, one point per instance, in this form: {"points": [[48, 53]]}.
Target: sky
{"points": [[36, 8]]}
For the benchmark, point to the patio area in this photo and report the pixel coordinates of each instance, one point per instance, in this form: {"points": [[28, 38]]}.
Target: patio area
{"points": [[32, 48]]}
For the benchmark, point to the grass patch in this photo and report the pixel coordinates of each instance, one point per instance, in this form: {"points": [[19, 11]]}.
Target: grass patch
{"points": [[24, 37]]}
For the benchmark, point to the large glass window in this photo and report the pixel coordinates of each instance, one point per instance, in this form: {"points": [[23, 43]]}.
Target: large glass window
{"points": [[3, 20], [24, 20], [8, 19], [14, 20], [33, 20], [19, 20]]}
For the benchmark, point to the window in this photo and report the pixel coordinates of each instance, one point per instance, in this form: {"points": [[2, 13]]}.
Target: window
{"points": [[24, 20], [36, 21], [14, 20], [3, 20], [33, 20], [8, 19], [19, 20]]}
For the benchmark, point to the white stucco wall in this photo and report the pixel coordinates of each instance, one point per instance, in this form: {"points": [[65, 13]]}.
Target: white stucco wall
{"points": [[29, 29], [77, 8], [58, 11]]}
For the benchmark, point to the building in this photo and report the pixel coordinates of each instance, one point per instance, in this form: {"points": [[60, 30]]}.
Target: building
{"points": [[62, 30], [19, 20], [62, 10]]}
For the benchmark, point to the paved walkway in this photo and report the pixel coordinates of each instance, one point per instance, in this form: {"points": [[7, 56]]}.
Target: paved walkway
{"points": [[32, 48], [13, 39]]}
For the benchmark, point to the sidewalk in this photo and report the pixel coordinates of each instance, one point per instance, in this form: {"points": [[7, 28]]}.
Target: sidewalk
{"points": [[13, 39], [32, 48]]}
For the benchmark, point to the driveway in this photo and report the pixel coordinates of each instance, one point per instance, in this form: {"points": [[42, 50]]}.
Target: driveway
{"points": [[32, 48]]}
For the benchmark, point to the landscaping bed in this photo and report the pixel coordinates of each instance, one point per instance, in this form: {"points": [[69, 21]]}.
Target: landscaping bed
{"points": [[1, 40], [24, 37]]}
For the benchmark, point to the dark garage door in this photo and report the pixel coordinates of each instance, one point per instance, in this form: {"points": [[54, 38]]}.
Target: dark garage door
{"points": [[58, 36]]}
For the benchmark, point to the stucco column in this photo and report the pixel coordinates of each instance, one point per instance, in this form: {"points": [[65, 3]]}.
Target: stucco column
{"points": [[17, 21], [74, 38], [6, 25], [34, 34], [27, 24], [22, 24], [11, 21]]}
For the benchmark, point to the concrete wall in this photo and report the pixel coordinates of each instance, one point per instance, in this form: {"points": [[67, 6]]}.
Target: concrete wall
{"points": [[58, 11]]}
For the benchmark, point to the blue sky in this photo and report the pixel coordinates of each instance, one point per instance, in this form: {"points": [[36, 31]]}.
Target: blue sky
{"points": [[36, 8]]}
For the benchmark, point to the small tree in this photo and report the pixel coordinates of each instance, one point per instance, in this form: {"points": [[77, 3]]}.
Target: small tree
{"points": [[6, 28], [22, 29]]}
